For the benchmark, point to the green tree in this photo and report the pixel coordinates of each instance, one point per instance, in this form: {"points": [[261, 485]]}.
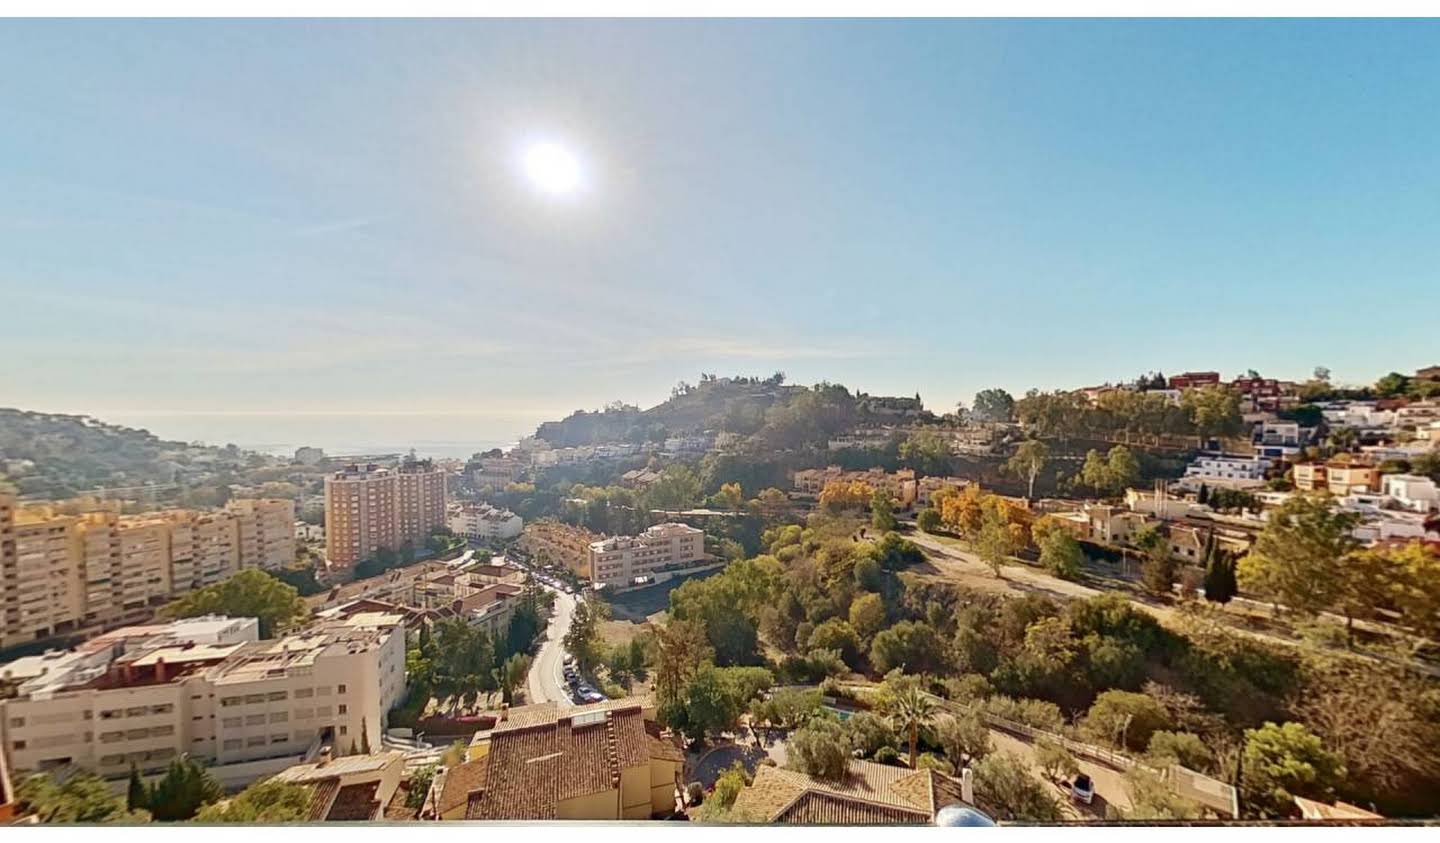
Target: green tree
{"points": [[927, 452], [1157, 572], [965, 737], [137, 795], [868, 574], [185, 788], [82, 798], [1095, 472], [910, 709], [993, 405], [882, 511], [252, 593], [1281, 762], [1125, 719], [869, 732], [837, 634], [1214, 411], [1220, 581], [267, 802], [511, 676], [1121, 468], [820, 749], [1055, 760], [911, 646], [1028, 461], [677, 488], [1152, 798], [1183, 748], [1298, 558], [582, 640], [419, 787], [1060, 552], [928, 520], [1392, 385], [1007, 784], [709, 705], [867, 615]]}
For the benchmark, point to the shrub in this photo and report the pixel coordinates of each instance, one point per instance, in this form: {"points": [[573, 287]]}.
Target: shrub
{"points": [[930, 761], [1181, 748], [887, 755], [820, 749], [1125, 719]]}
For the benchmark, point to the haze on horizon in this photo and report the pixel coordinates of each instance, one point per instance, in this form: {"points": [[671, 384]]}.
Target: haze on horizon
{"points": [[319, 216]]}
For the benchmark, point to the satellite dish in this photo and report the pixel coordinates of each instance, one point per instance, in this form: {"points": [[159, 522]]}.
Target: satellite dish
{"points": [[962, 815]]}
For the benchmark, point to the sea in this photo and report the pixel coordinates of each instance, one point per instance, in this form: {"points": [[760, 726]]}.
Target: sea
{"points": [[439, 435]]}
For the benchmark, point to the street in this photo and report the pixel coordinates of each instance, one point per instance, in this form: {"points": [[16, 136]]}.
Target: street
{"points": [[545, 682]]}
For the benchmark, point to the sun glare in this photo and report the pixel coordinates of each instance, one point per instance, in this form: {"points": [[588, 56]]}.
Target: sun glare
{"points": [[552, 169]]}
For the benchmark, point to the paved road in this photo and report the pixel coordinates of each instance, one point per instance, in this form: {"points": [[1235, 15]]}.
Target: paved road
{"points": [[546, 682]]}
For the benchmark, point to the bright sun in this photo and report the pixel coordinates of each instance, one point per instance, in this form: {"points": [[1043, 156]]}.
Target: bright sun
{"points": [[552, 168]]}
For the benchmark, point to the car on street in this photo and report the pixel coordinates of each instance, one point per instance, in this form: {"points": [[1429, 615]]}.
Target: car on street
{"points": [[1083, 789]]}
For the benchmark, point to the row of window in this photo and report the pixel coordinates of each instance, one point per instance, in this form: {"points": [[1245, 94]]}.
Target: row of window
{"points": [[280, 696], [162, 754], [134, 711], [136, 734]]}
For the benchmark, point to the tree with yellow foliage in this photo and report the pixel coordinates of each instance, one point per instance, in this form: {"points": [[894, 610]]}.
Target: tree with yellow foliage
{"points": [[841, 495]]}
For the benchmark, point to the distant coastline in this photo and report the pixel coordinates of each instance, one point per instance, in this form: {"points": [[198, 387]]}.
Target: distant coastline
{"points": [[443, 436]]}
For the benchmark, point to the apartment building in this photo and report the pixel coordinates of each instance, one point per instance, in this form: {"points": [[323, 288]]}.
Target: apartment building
{"points": [[927, 487], [650, 557], [483, 522], [368, 508], [1411, 491], [495, 472], [421, 499], [1194, 380], [64, 572], [1224, 470], [1338, 477], [209, 688], [267, 532]]}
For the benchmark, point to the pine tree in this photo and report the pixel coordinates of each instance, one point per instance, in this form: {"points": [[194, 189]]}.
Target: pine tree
{"points": [[137, 797], [1203, 495], [364, 736], [1220, 584]]}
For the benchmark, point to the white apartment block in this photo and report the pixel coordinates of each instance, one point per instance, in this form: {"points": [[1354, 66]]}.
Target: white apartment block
{"points": [[481, 522], [1411, 491], [625, 561], [1222, 470], [207, 688]]}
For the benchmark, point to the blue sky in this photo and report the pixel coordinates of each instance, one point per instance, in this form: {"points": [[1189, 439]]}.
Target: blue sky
{"points": [[321, 216]]}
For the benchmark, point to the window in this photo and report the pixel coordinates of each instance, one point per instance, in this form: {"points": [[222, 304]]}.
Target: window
{"points": [[19, 744], [323, 691], [304, 693], [340, 689], [163, 708], [279, 739], [344, 708], [162, 731], [137, 711], [111, 737], [111, 714], [276, 696], [232, 722], [304, 713], [255, 720], [279, 716], [225, 702], [17, 722], [233, 744], [255, 740], [344, 730], [137, 734], [322, 711], [254, 698]]}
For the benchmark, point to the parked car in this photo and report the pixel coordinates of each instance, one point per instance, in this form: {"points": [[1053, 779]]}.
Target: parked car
{"points": [[594, 697], [1083, 789]]}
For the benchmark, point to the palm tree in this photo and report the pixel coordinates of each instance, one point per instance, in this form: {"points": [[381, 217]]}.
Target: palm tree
{"points": [[910, 708]]}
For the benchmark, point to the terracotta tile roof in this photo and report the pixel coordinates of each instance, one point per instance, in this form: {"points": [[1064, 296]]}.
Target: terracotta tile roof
{"points": [[355, 802], [322, 796], [460, 781], [815, 807], [871, 793], [542, 757], [397, 810]]}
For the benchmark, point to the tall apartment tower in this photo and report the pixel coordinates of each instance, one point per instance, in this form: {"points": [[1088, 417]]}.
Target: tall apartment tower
{"points": [[361, 513], [368, 508], [422, 500]]}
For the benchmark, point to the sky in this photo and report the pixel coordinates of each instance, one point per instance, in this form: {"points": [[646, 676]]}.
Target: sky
{"points": [[311, 217]]}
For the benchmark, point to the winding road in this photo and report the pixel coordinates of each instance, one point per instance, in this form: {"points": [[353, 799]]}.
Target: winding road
{"points": [[546, 682]]}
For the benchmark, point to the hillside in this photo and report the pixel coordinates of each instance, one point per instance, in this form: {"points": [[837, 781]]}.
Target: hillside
{"points": [[53, 455]]}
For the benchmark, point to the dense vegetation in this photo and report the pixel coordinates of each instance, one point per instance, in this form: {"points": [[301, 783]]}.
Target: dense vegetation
{"points": [[821, 604]]}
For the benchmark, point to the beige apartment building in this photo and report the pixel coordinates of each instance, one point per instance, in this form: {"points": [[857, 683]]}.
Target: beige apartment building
{"points": [[60, 572], [651, 557], [369, 507], [208, 688]]}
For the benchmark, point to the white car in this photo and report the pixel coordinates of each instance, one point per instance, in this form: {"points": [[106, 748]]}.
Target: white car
{"points": [[1083, 789]]}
